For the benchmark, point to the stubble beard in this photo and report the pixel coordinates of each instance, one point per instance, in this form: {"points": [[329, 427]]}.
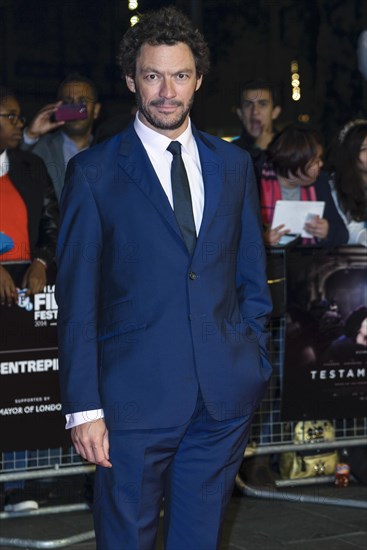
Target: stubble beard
{"points": [[164, 122], [78, 129]]}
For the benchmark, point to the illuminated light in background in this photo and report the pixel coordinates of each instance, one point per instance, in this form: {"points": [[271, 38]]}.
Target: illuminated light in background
{"points": [[134, 20], [133, 5], [304, 118], [295, 81]]}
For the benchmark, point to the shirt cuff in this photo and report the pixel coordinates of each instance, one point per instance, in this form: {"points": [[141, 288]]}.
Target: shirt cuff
{"points": [[77, 418], [28, 140]]}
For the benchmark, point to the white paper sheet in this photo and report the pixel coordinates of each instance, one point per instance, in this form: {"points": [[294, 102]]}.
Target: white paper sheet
{"points": [[293, 214]]}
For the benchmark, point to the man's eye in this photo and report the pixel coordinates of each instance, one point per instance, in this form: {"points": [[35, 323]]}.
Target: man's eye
{"points": [[151, 77], [182, 76]]}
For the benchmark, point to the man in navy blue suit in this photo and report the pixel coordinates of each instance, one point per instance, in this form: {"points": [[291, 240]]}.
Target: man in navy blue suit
{"points": [[163, 304]]}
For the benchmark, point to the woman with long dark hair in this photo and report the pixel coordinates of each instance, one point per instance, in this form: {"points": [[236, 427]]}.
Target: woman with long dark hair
{"points": [[349, 178]]}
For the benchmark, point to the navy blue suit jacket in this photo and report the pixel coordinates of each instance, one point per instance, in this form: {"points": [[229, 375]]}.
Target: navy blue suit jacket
{"points": [[142, 323]]}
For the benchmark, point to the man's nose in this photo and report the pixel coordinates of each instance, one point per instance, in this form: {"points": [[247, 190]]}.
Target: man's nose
{"points": [[255, 109], [19, 122], [167, 88]]}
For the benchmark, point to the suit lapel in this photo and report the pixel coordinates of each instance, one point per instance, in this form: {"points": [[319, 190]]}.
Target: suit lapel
{"points": [[135, 162], [212, 172], [57, 162]]}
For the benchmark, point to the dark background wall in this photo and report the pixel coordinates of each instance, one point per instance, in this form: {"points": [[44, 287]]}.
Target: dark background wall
{"points": [[43, 40]]}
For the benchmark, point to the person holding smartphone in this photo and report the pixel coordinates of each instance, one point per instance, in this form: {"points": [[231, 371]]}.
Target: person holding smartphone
{"points": [[62, 129]]}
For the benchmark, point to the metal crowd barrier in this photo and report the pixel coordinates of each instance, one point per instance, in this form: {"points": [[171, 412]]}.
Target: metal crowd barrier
{"points": [[270, 436], [46, 466]]}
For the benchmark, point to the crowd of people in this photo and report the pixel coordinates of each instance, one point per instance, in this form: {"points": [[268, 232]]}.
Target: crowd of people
{"points": [[288, 164], [288, 167]]}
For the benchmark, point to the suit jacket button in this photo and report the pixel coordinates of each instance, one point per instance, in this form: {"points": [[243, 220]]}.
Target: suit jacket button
{"points": [[192, 275]]}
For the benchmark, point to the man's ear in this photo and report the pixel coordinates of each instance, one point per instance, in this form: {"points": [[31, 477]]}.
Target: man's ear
{"points": [[199, 81], [97, 108], [130, 83], [276, 112], [239, 113]]}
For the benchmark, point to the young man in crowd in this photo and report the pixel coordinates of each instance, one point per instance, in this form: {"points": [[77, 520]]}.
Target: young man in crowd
{"points": [[259, 108]]}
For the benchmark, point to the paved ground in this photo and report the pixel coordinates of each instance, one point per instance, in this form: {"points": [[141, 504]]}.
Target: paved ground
{"points": [[251, 523]]}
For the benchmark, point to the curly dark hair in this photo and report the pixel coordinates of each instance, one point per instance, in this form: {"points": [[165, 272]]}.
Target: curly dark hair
{"points": [[292, 149], [348, 180], [164, 26], [5, 92]]}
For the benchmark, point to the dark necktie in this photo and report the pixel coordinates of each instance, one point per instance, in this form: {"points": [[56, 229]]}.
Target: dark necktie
{"points": [[182, 204]]}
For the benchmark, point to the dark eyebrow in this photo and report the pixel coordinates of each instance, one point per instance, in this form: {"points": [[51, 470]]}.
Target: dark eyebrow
{"points": [[153, 70]]}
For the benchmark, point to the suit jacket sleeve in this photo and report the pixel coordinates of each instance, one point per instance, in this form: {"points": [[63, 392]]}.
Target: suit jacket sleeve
{"points": [[78, 258], [253, 289]]}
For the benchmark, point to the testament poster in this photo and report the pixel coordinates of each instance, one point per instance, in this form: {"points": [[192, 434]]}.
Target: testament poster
{"points": [[326, 334]]}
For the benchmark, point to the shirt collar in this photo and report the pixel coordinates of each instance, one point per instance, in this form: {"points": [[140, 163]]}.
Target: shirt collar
{"points": [[4, 163], [71, 143], [155, 141]]}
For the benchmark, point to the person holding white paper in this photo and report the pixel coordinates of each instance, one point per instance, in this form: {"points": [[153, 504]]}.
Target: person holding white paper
{"points": [[292, 173]]}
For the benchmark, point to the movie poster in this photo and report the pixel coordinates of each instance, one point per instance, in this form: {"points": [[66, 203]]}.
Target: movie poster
{"points": [[30, 416], [326, 334]]}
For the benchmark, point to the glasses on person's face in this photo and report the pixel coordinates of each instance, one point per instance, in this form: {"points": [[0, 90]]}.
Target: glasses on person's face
{"points": [[13, 118]]}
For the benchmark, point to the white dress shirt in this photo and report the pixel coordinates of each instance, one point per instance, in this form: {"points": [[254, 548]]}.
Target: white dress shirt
{"points": [[156, 145]]}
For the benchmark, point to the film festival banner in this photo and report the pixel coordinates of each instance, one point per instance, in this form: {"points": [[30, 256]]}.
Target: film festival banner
{"points": [[325, 363], [29, 399]]}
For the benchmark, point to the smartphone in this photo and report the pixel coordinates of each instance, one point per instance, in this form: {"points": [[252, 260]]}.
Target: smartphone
{"points": [[70, 111]]}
